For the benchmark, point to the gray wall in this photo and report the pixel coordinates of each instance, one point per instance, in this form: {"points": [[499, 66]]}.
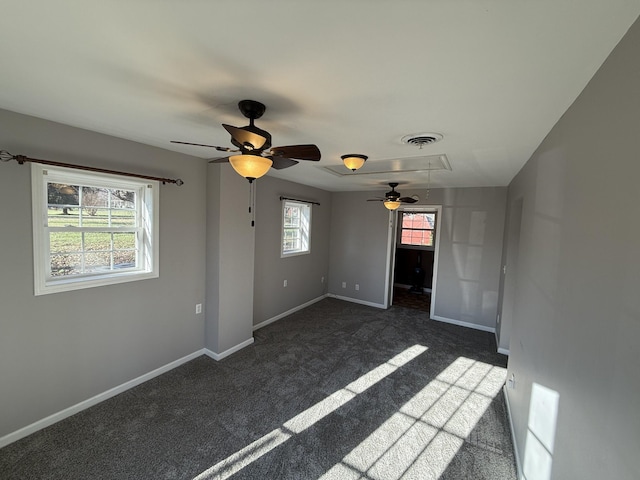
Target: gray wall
{"points": [[576, 325], [471, 235], [508, 285], [60, 349], [358, 254], [230, 261], [469, 253], [302, 272]]}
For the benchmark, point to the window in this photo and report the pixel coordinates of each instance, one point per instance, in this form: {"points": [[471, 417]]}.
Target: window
{"points": [[92, 229], [296, 228], [417, 228]]}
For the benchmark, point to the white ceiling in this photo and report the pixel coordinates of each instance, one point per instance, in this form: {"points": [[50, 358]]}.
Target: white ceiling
{"points": [[352, 76]]}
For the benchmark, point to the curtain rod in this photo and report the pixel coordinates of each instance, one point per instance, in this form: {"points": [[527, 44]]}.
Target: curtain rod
{"points": [[298, 200], [21, 159]]}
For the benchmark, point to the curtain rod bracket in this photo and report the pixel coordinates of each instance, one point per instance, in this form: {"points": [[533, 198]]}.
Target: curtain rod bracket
{"points": [[22, 159]]}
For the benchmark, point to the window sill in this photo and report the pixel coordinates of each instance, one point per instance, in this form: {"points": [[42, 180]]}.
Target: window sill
{"points": [[69, 284], [294, 254]]}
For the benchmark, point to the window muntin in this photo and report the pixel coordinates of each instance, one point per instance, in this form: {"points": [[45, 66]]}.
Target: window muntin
{"points": [[296, 228], [417, 228], [92, 229]]}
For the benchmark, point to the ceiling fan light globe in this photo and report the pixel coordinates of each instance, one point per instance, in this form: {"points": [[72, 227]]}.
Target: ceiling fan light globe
{"points": [[392, 204], [354, 161], [250, 166]]}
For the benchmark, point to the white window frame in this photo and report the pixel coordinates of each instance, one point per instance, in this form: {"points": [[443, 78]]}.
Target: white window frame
{"points": [[305, 233], [433, 230], [147, 230]]}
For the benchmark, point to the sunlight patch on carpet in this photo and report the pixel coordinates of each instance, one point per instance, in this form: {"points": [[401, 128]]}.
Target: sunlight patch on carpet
{"points": [[236, 462], [420, 440]]}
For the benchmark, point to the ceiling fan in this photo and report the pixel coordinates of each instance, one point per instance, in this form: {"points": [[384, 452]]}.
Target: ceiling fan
{"points": [[254, 154], [392, 199]]}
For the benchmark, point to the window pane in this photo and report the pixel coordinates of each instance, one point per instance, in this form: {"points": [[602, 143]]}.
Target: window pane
{"points": [[431, 220], [97, 262], [95, 217], [124, 259], [95, 197], [292, 217], [65, 242], [62, 194], [123, 199], [63, 217], [66, 264], [416, 237], [124, 241], [428, 238], [123, 218], [97, 241]]}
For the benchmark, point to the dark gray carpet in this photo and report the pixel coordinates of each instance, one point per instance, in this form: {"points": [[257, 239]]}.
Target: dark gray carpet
{"points": [[337, 390]]}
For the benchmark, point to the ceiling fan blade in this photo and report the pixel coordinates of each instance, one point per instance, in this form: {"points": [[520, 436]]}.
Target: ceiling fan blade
{"points": [[219, 160], [409, 199], [376, 199], [299, 152], [280, 162], [245, 137], [221, 149]]}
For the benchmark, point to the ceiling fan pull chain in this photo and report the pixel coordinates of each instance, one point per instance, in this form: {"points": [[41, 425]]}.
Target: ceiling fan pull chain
{"points": [[252, 200], [428, 180]]}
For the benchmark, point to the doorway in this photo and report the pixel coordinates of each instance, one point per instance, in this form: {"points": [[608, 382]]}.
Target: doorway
{"points": [[413, 257]]}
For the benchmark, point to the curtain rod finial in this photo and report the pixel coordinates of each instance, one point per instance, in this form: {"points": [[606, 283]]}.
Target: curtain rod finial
{"points": [[5, 156]]}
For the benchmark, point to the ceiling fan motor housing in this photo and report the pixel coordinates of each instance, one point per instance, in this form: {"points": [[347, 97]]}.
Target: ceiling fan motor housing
{"points": [[251, 109], [392, 194]]}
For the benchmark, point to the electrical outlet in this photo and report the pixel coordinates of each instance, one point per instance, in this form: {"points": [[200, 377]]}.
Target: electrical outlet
{"points": [[344, 284], [285, 283], [357, 287], [198, 308], [511, 383], [321, 279]]}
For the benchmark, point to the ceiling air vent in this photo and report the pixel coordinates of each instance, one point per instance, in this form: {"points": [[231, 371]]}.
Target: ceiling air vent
{"points": [[421, 139]]}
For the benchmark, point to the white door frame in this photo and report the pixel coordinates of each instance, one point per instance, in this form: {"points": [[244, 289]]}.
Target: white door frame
{"points": [[392, 241]]}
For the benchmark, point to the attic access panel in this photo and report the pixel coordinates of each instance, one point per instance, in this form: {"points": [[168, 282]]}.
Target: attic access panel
{"points": [[421, 163]]}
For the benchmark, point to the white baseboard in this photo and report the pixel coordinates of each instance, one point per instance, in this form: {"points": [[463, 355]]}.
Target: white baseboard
{"points": [[90, 402], [503, 351], [513, 434], [475, 326], [288, 312], [226, 353], [355, 300]]}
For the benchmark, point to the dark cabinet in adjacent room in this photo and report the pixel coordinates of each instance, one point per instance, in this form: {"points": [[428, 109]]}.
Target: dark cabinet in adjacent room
{"points": [[407, 261]]}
